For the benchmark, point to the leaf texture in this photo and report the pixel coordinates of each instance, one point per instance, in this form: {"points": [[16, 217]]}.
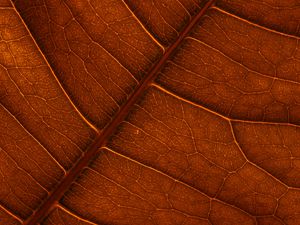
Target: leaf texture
{"points": [[151, 112]]}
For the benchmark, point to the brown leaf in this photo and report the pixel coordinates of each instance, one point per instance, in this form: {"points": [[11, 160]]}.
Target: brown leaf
{"points": [[153, 112]]}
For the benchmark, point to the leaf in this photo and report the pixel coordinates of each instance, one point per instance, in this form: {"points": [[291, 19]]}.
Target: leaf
{"points": [[149, 112]]}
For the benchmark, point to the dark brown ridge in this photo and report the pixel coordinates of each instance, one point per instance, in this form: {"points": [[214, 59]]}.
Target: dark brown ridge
{"points": [[72, 174]]}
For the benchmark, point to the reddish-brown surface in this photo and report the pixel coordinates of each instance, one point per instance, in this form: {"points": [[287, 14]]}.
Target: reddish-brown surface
{"points": [[154, 112]]}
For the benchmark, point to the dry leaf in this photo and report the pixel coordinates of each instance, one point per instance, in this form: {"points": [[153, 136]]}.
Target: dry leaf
{"points": [[154, 112]]}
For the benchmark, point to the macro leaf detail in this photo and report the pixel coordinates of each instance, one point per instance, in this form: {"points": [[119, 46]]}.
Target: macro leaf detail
{"points": [[151, 112]]}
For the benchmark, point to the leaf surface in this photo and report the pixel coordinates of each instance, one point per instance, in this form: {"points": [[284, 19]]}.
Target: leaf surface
{"points": [[149, 112]]}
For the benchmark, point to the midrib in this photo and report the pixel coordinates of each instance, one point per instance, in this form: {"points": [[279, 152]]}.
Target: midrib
{"points": [[101, 140]]}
